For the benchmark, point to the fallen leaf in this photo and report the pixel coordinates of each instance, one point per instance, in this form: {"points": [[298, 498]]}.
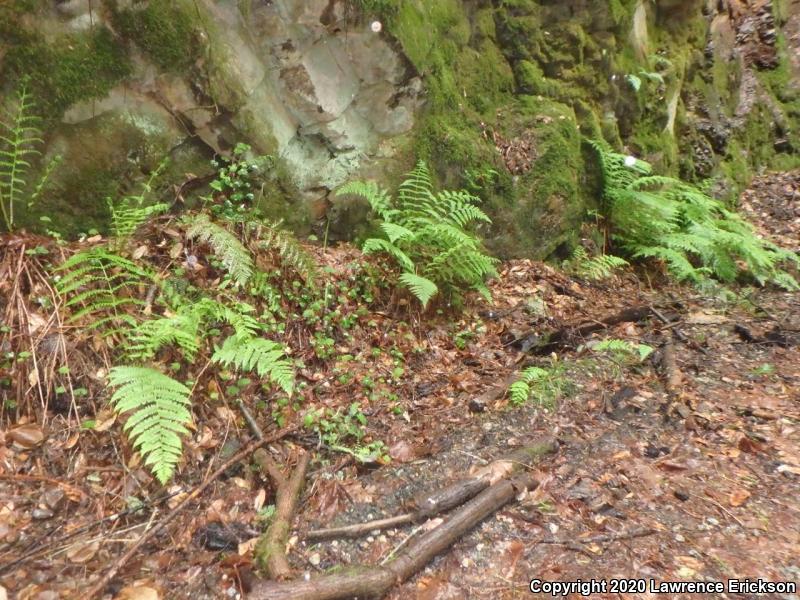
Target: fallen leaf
{"points": [[105, 420], [137, 592], [705, 318], [248, 546], [83, 552], [33, 377], [26, 436], [739, 497], [402, 452], [139, 252], [261, 497]]}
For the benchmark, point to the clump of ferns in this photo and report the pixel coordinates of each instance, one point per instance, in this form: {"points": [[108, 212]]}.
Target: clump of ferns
{"points": [[678, 224], [20, 139], [429, 236]]}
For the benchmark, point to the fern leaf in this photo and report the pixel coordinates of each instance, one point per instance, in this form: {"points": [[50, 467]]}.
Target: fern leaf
{"points": [[263, 356], [422, 288], [160, 407], [231, 252]]}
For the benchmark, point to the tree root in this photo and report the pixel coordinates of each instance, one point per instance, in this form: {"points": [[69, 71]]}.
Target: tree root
{"points": [[270, 551]]}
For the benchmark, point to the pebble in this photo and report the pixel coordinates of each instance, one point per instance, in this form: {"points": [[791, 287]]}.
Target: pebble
{"points": [[40, 514], [712, 521], [680, 538]]}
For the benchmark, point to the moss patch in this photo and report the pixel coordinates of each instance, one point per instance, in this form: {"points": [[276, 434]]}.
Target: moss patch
{"points": [[70, 69], [163, 30]]}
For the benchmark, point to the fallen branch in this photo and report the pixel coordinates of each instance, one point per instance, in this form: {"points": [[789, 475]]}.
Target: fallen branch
{"points": [[431, 504], [368, 582], [374, 581], [566, 336], [270, 551], [100, 586]]}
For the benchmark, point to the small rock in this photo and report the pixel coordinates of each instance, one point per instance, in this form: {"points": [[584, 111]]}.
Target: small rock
{"points": [[315, 559], [680, 538], [681, 494], [712, 521], [40, 514]]}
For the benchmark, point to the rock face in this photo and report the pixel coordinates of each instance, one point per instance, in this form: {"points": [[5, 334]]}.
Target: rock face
{"points": [[497, 96], [298, 79]]}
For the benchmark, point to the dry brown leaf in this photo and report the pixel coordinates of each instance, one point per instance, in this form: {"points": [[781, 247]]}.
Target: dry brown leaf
{"points": [[26, 436], [83, 552], [248, 546], [739, 497], [402, 452], [105, 420], [137, 592], [260, 498], [139, 252]]}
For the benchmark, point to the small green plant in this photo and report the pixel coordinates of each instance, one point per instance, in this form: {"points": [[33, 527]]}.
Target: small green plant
{"points": [[672, 221], [234, 186], [624, 349], [427, 234], [19, 138], [346, 432], [160, 414], [129, 212], [545, 385], [595, 268]]}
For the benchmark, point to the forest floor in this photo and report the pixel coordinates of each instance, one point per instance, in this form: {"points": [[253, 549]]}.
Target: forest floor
{"points": [[689, 472]]}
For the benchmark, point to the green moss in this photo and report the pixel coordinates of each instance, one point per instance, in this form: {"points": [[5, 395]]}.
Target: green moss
{"points": [[68, 70], [163, 30]]}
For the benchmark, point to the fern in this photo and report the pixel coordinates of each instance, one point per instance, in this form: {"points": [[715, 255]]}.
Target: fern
{"points": [[19, 137], [273, 238], [160, 414], [595, 268], [265, 357], [104, 288], [186, 325], [623, 347], [545, 384], [428, 235], [233, 255], [128, 213], [678, 224]]}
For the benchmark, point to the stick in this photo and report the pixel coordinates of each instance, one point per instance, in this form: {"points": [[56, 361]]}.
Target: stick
{"points": [[371, 582], [100, 586], [563, 338], [432, 504]]}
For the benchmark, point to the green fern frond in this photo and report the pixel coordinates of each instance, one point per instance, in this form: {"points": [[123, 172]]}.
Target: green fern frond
{"points": [[236, 259], [377, 197], [680, 224], [130, 212], [19, 138], [105, 285], [263, 356], [273, 238], [160, 414], [422, 288], [376, 245]]}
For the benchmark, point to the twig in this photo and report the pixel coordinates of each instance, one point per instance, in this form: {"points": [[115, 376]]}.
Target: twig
{"points": [[100, 586]]}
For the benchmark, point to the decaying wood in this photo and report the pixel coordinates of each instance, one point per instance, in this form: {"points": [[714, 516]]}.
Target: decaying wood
{"points": [[671, 372], [270, 550], [537, 343], [431, 504], [368, 582], [374, 581], [98, 588]]}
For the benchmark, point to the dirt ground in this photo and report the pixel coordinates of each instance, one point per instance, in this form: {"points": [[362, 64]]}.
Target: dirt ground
{"points": [[700, 484]]}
